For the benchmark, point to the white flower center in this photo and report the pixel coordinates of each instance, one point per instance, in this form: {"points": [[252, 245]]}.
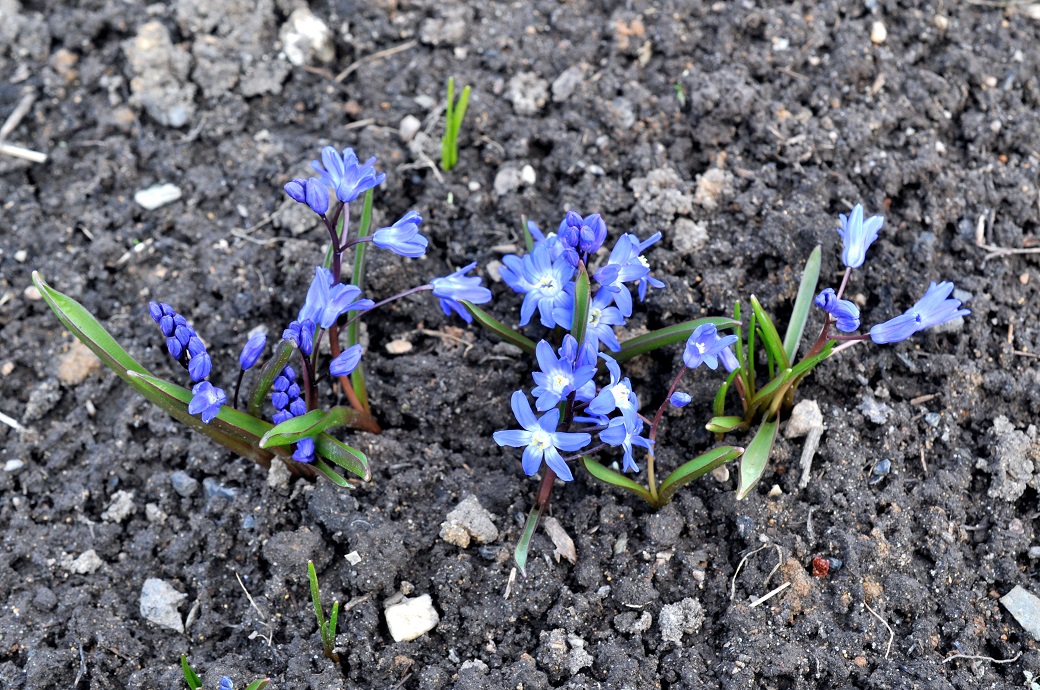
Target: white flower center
{"points": [[594, 316], [541, 439], [701, 347], [547, 283], [620, 393], [560, 382], [642, 260]]}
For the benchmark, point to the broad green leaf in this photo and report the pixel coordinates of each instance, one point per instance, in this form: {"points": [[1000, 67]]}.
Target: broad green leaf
{"points": [[524, 545], [310, 424], [283, 352], [190, 677], [500, 329], [698, 467], [667, 336], [724, 425], [611, 477], [258, 684], [770, 338], [582, 295], [756, 456], [802, 304], [350, 459]]}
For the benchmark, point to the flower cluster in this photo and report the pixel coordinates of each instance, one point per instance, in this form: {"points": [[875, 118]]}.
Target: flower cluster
{"points": [[184, 345]]}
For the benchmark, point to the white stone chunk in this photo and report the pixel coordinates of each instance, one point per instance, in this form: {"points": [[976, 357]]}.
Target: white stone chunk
{"points": [[159, 602], [157, 196], [411, 618]]}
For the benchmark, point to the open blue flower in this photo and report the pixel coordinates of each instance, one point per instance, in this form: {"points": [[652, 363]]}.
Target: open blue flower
{"points": [[346, 362], [327, 300], [206, 400], [857, 235], [548, 280], [559, 376], [512, 273], [616, 395], [623, 266], [312, 192], [456, 287], [402, 237], [936, 307], [626, 433], [845, 313], [704, 346], [345, 175], [542, 440], [602, 319]]}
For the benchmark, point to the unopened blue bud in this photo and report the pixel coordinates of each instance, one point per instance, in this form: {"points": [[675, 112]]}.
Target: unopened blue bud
{"points": [[253, 349], [680, 399]]}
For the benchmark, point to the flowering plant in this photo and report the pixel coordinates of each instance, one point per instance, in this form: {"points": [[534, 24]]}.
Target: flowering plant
{"points": [[195, 683], [298, 431]]}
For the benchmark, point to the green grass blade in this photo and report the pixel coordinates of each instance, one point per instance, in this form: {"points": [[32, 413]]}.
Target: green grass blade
{"points": [[770, 338], [582, 295], [458, 116], [258, 684], [698, 467], [613, 478], [190, 677], [333, 619], [528, 239], [756, 457], [670, 335], [449, 123], [751, 354], [770, 389], [310, 424], [500, 329], [283, 352], [524, 545], [357, 378], [802, 304], [312, 575], [724, 425], [719, 405]]}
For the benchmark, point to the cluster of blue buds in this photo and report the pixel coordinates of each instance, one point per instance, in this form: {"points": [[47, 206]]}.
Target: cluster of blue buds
{"points": [[184, 345], [935, 308]]}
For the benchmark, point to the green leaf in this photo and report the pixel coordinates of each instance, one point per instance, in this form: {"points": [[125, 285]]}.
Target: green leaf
{"points": [[756, 456], [258, 684], [770, 338], [667, 336], [767, 391], [751, 354], [500, 329], [719, 405], [809, 363], [319, 465], [350, 459], [312, 575], [613, 478], [333, 619], [309, 425], [446, 141], [190, 677], [698, 467], [283, 352], [580, 320], [802, 304], [528, 239], [522, 546], [357, 377], [724, 425]]}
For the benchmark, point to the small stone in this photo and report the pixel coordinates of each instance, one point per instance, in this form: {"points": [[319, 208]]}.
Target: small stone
{"points": [[212, 487], [305, 38], [507, 180], [353, 558], [745, 526], [473, 186], [805, 416], [399, 347], [159, 602], [560, 539], [77, 364], [469, 520], [932, 419], [775, 491], [21, 255], [121, 507], [689, 236], [564, 86], [32, 293], [157, 196], [631, 623], [527, 92], [877, 412], [6, 368], [184, 484], [878, 33], [154, 514], [720, 474], [684, 617], [881, 469], [713, 187], [1025, 607], [527, 175], [409, 126], [412, 618], [278, 476], [14, 465], [941, 22], [87, 563]]}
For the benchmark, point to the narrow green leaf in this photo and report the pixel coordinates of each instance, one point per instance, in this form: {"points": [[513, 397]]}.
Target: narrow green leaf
{"points": [[809, 363], [312, 575], [449, 124], [751, 354], [719, 405], [613, 478], [459, 116], [756, 456], [724, 425], [258, 684], [667, 336], [524, 545], [320, 465], [770, 338], [802, 304], [309, 425], [357, 378], [582, 294], [339, 453], [333, 618], [190, 677], [767, 391], [283, 352], [698, 467], [528, 239], [500, 329]]}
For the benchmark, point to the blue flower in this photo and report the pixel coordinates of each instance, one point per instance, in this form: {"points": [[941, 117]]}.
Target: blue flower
{"points": [[311, 192], [584, 234], [452, 289], [936, 307], [225, 683], [617, 395], [704, 346], [304, 450], [623, 266], [845, 313], [857, 235], [542, 440], [182, 342], [346, 362], [602, 319], [402, 237], [254, 347], [625, 433], [548, 280], [558, 377], [679, 399], [327, 300], [284, 392], [729, 360], [343, 173], [512, 272], [301, 333], [206, 400]]}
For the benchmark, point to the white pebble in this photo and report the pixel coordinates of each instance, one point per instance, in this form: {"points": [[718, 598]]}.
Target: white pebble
{"points": [[159, 603], [527, 174], [87, 563], [13, 465], [353, 558], [410, 124], [399, 347], [411, 618], [32, 294], [157, 196], [21, 255], [878, 33], [474, 186]]}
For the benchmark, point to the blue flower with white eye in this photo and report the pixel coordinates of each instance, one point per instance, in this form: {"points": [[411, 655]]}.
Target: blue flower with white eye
{"points": [[601, 321], [548, 280], [623, 266], [206, 400], [559, 376], [345, 175], [327, 300], [456, 287], [704, 346], [543, 442], [936, 307], [845, 313], [857, 235], [616, 395], [626, 433], [402, 238]]}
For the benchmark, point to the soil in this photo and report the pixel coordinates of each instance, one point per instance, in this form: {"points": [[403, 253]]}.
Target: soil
{"points": [[740, 130]]}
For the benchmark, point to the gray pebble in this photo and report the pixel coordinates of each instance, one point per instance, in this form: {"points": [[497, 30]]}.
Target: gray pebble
{"points": [[159, 602], [212, 488], [184, 484]]}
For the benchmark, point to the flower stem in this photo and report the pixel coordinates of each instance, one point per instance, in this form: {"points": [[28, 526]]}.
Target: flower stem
{"points": [[392, 298], [238, 384]]}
